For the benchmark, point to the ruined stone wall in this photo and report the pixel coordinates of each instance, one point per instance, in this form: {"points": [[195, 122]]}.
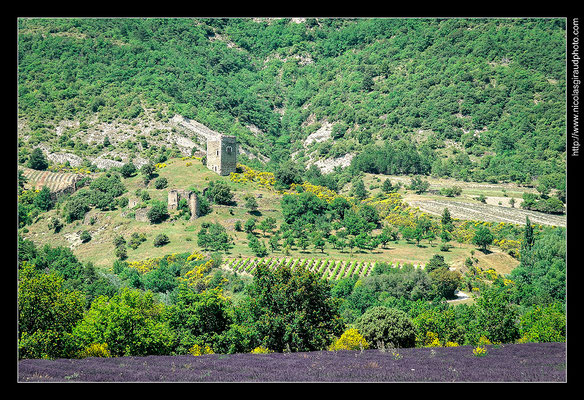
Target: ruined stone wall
{"points": [[175, 195]]}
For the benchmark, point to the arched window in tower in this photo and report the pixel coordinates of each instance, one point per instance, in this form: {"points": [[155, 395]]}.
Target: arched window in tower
{"points": [[228, 149]]}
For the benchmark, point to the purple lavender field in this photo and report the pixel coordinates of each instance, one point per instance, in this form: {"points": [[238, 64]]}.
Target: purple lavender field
{"points": [[529, 362]]}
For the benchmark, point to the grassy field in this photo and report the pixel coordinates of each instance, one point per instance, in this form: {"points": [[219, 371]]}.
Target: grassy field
{"points": [[191, 174]]}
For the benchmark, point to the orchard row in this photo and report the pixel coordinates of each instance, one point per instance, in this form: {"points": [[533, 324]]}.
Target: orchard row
{"points": [[325, 268]]}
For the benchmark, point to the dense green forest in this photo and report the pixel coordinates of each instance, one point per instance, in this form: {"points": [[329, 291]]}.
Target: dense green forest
{"points": [[478, 99], [68, 308]]}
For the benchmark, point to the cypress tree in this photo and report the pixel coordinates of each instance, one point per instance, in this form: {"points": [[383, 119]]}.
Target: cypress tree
{"points": [[528, 238], [38, 160]]}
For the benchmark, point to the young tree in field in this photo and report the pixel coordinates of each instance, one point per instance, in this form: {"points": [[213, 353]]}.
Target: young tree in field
{"points": [[318, 241], [364, 241], [407, 233], [447, 220], [267, 225], [128, 170], [38, 160], [158, 212], [445, 236], [249, 225], [219, 192], [148, 171], [303, 242], [418, 185], [387, 187], [358, 190], [528, 238], [289, 241], [333, 240], [274, 242], [483, 237], [214, 237], [418, 234], [257, 247], [250, 203], [351, 243], [430, 236], [161, 239]]}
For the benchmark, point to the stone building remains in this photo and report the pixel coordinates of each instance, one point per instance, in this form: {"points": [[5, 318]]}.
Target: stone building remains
{"points": [[222, 154], [175, 195]]}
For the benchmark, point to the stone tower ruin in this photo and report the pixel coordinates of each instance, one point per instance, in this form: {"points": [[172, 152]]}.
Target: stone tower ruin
{"points": [[175, 195], [222, 154]]}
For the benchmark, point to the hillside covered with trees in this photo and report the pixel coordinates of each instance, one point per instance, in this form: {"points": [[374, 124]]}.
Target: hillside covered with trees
{"points": [[478, 99], [295, 251]]}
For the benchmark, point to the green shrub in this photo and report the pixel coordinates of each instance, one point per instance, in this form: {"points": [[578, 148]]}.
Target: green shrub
{"points": [[161, 183], [158, 212], [387, 326], [161, 240], [85, 237]]}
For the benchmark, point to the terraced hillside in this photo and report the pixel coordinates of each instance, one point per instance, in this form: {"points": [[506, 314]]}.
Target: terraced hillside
{"points": [[486, 212], [57, 182]]}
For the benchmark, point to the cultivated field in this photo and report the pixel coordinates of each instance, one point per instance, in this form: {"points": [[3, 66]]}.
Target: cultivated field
{"points": [[486, 212], [55, 181], [325, 268], [528, 362]]}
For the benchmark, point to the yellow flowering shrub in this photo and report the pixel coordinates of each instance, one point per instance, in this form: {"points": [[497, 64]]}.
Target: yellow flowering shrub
{"points": [[145, 266], [64, 168], [432, 340], [508, 282], [264, 179], [484, 341], [463, 233], [489, 274], [479, 351], [510, 246], [322, 192], [195, 256], [260, 350], [390, 203], [198, 350], [351, 339], [95, 350], [160, 165], [196, 276]]}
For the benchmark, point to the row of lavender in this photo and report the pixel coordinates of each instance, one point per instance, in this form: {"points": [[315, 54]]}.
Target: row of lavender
{"points": [[325, 268], [526, 362]]}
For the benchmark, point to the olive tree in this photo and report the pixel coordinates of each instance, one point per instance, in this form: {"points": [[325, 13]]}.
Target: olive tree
{"points": [[387, 326]]}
